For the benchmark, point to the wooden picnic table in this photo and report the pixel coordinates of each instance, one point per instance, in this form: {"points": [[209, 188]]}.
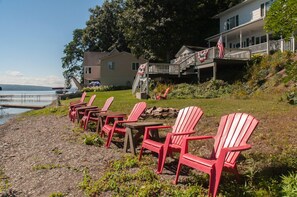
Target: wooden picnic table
{"points": [[103, 115], [134, 130]]}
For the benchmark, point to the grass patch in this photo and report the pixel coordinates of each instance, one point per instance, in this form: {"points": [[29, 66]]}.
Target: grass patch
{"points": [[92, 139], [4, 182], [46, 166], [129, 177], [57, 194]]}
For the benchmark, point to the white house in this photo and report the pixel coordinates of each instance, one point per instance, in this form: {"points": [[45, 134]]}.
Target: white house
{"points": [[242, 27]]}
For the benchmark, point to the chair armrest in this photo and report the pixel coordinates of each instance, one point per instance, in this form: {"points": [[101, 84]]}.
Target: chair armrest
{"points": [[186, 140], [238, 148], [108, 118], [183, 133], [225, 151], [88, 112], [86, 108], [154, 128], [77, 103]]}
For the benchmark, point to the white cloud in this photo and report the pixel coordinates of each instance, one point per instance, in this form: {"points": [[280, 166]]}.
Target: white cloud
{"points": [[16, 77], [14, 73]]}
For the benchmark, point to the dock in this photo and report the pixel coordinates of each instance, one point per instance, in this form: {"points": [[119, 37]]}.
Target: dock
{"points": [[21, 106]]}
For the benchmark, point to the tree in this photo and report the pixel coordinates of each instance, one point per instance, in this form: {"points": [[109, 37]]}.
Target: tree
{"points": [[281, 18], [102, 32], [157, 29], [72, 60]]}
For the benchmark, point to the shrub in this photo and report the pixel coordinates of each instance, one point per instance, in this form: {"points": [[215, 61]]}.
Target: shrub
{"points": [[289, 185], [210, 89], [292, 97], [92, 139]]}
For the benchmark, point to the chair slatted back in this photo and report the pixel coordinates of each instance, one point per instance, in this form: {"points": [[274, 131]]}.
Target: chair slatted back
{"points": [[186, 121], [166, 92], [83, 96], [107, 104], [234, 130], [91, 100], [137, 111]]}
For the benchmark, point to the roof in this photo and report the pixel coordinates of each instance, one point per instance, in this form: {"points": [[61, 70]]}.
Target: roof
{"points": [[91, 58], [192, 48], [237, 6]]}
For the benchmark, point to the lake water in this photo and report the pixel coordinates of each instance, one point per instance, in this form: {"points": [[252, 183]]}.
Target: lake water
{"points": [[35, 98]]}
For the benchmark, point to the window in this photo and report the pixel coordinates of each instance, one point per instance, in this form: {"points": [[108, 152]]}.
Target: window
{"points": [[135, 66], [88, 70], [111, 65], [264, 7], [262, 10], [232, 22], [257, 40], [230, 45], [263, 39]]}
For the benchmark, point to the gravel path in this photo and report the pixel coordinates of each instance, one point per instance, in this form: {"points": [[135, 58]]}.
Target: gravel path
{"points": [[30, 146]]}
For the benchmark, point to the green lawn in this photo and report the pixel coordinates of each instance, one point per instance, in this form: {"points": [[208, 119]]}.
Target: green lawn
{"points": [[273, 153]]}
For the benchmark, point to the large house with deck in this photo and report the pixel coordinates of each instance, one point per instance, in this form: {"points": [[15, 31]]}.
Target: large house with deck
{"points": [[242, 27], [242, 33], [110, 68]]}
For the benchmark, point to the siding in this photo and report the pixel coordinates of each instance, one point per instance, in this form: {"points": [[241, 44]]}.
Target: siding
{"points": [[248, 13], [122, 74]]}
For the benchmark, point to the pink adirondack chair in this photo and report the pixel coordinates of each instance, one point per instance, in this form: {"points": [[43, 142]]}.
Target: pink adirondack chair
{"points": [[77, 102], [232, 136], [79, 108], [164, 96], [184, 125], [90, 115], [109, 129]]}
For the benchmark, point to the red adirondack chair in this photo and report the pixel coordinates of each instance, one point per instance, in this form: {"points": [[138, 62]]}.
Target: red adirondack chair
{"points": [[79, 108], [90, 115], [81, 100], [77, 102], [232, 136], [117, 127], [184, 125], [164, 96]]}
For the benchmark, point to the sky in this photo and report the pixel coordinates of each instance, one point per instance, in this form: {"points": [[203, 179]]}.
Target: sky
{"points": [[33, 34]]}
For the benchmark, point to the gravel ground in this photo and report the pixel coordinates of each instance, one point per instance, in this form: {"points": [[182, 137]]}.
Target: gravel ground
{"points": [[31, 143]]}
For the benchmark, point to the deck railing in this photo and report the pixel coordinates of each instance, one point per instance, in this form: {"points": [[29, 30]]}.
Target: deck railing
{"points": [[273, 46], [161, 68]]}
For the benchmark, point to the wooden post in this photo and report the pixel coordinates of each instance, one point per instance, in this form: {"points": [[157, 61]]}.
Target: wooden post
{"points": [[214, 71], [198, 75], [267, 46]]}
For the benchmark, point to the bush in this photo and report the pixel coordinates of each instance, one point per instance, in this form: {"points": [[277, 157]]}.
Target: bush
{"points": [[289, 185], [292, 97], [92, 139], [210, 89], [104, 88]]}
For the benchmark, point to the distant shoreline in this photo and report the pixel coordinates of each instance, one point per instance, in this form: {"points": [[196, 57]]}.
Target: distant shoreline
{"points": [[13, 87]]}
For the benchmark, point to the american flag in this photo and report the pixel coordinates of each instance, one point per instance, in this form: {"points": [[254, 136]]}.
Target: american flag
{"points": [[220, 45]]}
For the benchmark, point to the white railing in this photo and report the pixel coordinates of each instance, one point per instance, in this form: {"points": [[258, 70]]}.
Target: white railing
{"points": [[273, 46], [237, 54], [161, 68]]}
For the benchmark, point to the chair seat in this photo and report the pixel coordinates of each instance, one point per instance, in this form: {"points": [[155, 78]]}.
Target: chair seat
{"points": [[199, 160], [153, 143]]}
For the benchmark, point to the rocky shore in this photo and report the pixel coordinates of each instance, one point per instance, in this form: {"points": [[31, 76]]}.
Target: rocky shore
{"points": [[40, 156]]}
